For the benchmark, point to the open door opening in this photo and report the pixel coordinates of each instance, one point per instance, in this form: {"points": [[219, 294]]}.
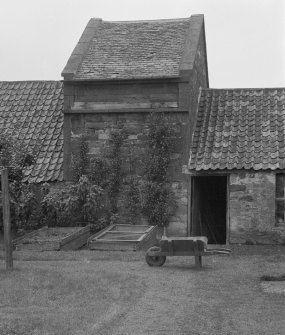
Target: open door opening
{"points": [[209, 208]]}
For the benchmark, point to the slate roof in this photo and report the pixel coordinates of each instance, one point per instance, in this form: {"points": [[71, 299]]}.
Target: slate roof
{"points": [[133, 49], [239, 129], [33, 110]]}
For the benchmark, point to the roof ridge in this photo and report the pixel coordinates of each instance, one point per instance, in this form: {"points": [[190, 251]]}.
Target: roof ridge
{"points": [[151, 20], [30, 81], [243, 88]]}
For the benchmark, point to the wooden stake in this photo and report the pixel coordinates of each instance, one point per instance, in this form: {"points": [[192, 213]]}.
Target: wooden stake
{"points": [[6, 219]]}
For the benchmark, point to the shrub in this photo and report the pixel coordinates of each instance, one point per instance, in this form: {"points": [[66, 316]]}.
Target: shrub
{"points": [[77, 204]]}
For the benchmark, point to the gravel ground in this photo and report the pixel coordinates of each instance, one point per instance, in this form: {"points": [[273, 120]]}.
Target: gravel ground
{"points": [[117, 293]]}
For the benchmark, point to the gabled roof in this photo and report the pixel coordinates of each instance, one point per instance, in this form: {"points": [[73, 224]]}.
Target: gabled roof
{"points": [[133, 49], [239, 129], [33, 111]]}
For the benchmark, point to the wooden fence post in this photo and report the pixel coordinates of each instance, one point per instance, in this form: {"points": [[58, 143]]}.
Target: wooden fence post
{"points": [[6, 219]]}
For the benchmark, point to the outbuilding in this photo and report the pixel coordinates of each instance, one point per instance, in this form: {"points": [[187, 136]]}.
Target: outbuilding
{"points": [[237, 167]]}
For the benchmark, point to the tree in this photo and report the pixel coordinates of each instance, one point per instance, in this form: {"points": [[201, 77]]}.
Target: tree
{"points": [[24, 202]]}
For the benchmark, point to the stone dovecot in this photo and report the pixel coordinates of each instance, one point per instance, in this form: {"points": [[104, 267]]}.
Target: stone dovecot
{"points": [[120, 72]]}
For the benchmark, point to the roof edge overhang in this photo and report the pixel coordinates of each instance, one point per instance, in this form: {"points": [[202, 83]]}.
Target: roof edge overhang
{"points": [[191, 172], [242, 89], [174, 79], [80, 49], [192, 38]]}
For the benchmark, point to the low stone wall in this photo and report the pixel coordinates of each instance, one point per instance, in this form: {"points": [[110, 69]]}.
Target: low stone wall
{"points": [[252, 209]]}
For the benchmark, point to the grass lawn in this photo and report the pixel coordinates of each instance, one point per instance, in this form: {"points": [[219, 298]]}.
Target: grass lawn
{"points": [[89, 292]]}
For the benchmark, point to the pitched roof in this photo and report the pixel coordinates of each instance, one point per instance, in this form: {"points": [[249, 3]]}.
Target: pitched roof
{"points": [[33, 111], [133, 49], [239, 129]]}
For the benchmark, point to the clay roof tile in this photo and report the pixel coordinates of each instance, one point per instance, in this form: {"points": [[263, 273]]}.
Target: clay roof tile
{"points": [[242, 128]]}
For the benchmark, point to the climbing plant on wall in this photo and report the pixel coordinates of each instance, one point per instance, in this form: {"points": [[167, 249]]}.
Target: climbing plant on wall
{"points": [[159, 203], [80, 161], [115, 168]]}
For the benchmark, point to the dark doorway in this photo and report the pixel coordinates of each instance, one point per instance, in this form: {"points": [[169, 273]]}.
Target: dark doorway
{"points": [[209, 208]]}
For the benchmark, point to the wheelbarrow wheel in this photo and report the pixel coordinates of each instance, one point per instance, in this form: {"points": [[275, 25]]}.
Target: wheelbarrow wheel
{"points": [[155, 260]]}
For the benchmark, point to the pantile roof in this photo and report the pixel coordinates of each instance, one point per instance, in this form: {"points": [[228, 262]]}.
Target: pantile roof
{"points": [[132, 49], [33, 111], [239, 129]]}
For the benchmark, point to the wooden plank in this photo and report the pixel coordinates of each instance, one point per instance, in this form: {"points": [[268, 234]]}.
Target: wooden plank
{"points": [[81, 106], [198, 258], [171, 247], [31, 234], [113, 240], [39, 246], [6, 220], [123, 227], [111, 245], [76, 243], [125, 232], [74, 235], [150, 239], [128, 110]]}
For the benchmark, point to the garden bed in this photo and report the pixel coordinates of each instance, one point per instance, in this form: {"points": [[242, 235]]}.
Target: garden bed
{"points": [[53, 238], [124, 237]]}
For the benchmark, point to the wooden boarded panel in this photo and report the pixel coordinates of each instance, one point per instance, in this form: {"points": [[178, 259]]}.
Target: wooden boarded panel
{"points": [[100, 106], [128, 93]]}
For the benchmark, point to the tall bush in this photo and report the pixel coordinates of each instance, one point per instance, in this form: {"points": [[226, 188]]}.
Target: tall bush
{"points": [[25, 198], [159, 203]]}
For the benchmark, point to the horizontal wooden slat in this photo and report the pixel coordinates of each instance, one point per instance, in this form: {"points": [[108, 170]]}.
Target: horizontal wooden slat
{"points": [[117, 105], [126, 110]]}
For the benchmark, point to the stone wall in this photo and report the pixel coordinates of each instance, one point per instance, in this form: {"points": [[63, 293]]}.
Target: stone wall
{"points": [[98, 108], [199, 79], [99, 126], [252, 209]]}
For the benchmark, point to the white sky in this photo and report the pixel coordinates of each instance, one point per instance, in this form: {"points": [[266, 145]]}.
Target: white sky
{"points": [[245, 38]]}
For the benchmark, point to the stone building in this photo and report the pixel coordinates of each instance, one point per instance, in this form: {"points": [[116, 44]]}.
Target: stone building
{"points": [[232, 189], [237, 166], [119, 73]]}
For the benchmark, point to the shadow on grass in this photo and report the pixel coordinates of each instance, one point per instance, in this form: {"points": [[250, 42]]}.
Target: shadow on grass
{"points": [[4, 271], [273, 278]]}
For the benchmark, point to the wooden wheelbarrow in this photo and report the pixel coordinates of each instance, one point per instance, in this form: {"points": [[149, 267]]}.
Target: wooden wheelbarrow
{"points": [[181, 246]]}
